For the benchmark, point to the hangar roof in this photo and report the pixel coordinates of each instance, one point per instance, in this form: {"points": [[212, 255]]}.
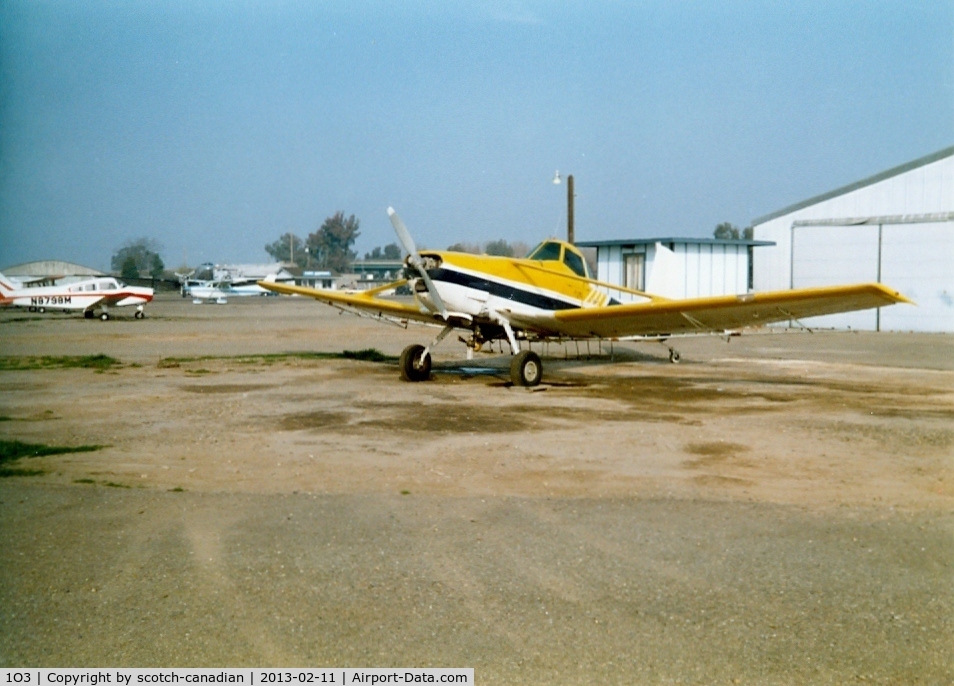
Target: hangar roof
{"points": [[651, 241], [51, 268], [887, 174]]}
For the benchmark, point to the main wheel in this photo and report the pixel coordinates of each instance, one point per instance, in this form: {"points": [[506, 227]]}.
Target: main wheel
{"points": [[41, 310], [674, 356], [415, 364], [104, 316], [526, 369], [139, 314], [89, 314]]}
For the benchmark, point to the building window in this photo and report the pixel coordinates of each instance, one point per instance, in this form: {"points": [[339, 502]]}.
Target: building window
{"points": [[635, 265]]}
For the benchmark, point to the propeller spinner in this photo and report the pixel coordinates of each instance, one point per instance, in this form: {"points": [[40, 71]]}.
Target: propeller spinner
{"points": [[414, 259]]}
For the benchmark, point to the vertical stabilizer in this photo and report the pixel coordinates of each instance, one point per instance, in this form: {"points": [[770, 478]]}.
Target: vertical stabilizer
{"points": [[8, 286]]}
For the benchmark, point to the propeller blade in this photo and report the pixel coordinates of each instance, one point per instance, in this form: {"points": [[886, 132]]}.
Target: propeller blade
{"points": [[432, 289], [415, 259], [403, 235]]}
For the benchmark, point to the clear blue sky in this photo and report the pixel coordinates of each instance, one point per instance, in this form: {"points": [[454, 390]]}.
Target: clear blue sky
{"points": [[215, 129]]}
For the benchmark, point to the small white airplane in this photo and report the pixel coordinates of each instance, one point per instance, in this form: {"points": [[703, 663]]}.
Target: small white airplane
{"points": [[549, 295], [86, 295], [220, 291]]}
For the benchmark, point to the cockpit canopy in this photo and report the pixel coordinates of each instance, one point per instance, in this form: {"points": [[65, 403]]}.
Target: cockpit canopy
{"points": [[555, 251]]}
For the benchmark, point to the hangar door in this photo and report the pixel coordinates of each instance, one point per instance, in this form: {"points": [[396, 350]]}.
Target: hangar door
{"points": [[913, 258]]}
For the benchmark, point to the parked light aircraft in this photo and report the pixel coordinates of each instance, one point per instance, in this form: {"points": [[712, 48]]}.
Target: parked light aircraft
{"points": [[85, 295], [220, 291], [549, 295]]}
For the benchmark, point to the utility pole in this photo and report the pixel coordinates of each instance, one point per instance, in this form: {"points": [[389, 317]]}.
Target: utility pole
{"points": [[569, 209]]}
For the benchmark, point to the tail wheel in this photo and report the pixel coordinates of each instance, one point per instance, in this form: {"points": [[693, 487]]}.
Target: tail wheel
{"points": [[526, 369], [415, 363]]}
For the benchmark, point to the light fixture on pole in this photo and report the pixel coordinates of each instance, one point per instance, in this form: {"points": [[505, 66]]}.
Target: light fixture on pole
{"points": [[569, 203]]}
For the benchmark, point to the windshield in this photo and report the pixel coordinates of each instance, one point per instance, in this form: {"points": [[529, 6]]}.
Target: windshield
{"points": [[574, 262], [548, 250]]}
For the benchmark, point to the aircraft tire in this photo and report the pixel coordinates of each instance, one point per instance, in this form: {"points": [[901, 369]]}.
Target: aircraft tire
{"points": [[674, 356], [89, 314], [526, 369], [415, 366], [140, 314], [104, 316]]}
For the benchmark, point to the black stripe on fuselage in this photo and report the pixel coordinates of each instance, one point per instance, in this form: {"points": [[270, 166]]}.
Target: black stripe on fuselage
{"points": [[500, 290]]}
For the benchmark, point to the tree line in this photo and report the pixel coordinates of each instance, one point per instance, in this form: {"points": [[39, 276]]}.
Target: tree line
{"points": [[328, 248]]}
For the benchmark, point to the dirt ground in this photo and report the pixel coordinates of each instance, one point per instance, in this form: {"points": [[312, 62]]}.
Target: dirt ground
{"points": [[773, 510]]}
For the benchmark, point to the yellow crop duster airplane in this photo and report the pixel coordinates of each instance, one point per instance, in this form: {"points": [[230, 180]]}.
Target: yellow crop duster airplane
{"points": [[549, 295]]}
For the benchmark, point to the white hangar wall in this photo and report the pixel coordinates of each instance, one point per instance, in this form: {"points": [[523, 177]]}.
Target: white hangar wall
{"points": [[896, 228], [674, 267]]}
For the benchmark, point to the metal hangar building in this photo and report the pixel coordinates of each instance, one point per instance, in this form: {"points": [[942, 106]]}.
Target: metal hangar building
{"points": [[896, 228], [676, 267]]}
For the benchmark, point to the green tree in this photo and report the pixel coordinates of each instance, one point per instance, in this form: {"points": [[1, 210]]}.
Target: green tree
{"points": [[138, 257], [472, 248], [129, 268], [330, 245], [389, 252], [500, 248], [726, 231], [288, 248], [157, 266]]}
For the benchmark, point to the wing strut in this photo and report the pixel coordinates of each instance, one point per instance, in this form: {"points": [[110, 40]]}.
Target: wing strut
{"points": [[796, 320]]}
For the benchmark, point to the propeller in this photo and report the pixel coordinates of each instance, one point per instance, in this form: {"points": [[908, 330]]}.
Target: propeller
{"points": [[414, 259]]}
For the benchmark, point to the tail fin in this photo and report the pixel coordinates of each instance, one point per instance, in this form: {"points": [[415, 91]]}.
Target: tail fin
{"points": [[8, 286]]}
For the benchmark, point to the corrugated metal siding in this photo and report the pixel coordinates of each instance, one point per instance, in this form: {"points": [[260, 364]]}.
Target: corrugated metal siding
{"points": [[916, 257], [924, 190], [698, 270], [918, 260]]}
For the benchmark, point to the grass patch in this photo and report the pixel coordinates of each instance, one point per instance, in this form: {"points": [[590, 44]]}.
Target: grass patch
{"points": [[177, 489], [365, 355], [84, 481], [100, 362], [19, 471], [4, 418], [113, 484], [14, 450]]}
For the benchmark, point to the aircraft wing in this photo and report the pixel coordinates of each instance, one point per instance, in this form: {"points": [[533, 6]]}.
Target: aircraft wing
{"points": [[365, 301], [707, 315]]}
